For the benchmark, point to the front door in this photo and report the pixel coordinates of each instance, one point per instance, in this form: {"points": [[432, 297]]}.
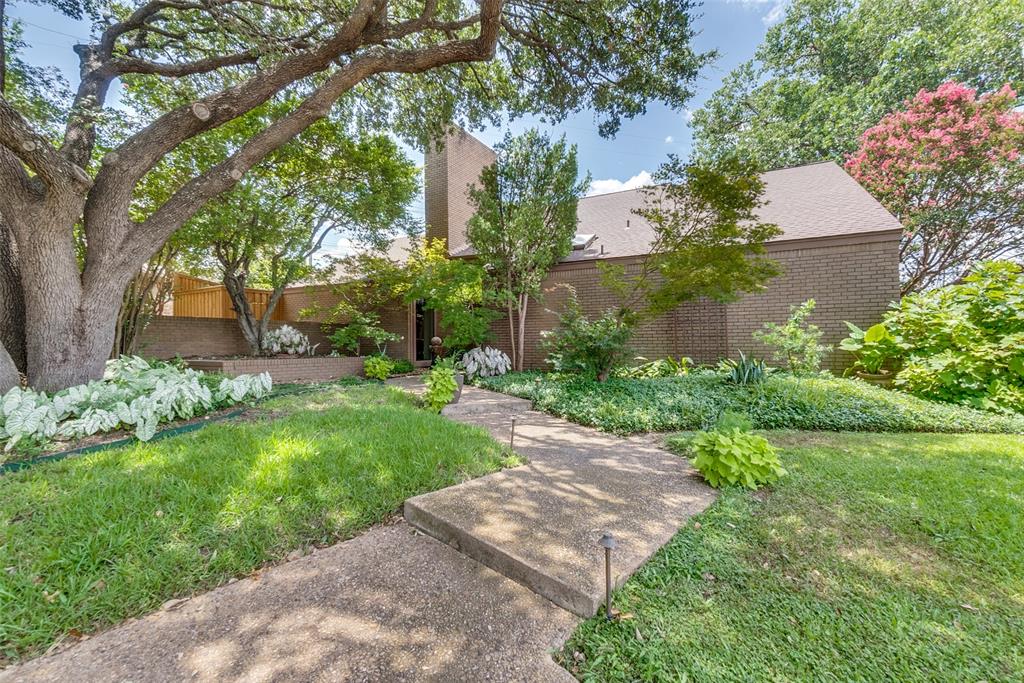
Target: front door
{"points": [[424, 331]]}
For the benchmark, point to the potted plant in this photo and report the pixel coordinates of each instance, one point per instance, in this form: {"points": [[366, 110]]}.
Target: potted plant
{"points": [[871, 347], [460, 378]]}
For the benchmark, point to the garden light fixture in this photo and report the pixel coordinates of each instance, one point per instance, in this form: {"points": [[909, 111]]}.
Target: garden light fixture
{"points": [[607, 541]]}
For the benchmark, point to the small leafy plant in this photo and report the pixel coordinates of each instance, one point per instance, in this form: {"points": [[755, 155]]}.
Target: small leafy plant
{"points": [[286, 339], [730, 455], [796, 342], [662, 367], [363, 326], [744, 370], [584, 346], [441, 385], [377, 367], [401, 366], [485, 362], [871, 347]]}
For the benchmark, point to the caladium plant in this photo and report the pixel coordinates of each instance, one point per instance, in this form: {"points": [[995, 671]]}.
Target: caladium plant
{"points": [[133, 393]]}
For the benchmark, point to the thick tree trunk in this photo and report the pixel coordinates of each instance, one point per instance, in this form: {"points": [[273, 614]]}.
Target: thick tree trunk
{"points": [[247, 322], [71, 329], [9, 376], [12, 301]]}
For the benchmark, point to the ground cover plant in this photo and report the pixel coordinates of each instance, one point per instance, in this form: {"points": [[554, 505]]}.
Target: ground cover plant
{"points": [[134, 394], [878, 557], [781, 401], [92, 540]]}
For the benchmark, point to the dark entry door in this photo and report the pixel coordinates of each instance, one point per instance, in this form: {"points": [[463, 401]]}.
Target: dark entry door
{"points": [[424, 331]]}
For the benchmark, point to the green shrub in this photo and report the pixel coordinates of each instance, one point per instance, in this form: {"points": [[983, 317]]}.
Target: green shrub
{"points": [[377, 367], [871, 347], [783, 401], [663, 367], [744, 370], [584, 346], [363, 326], [963, 343], [441, 386], [727, 457], [401, 366], [796, 342]]}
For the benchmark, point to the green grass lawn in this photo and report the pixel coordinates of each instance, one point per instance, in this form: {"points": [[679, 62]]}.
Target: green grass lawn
{"points": [[782, 401], [92, 540], [880, 557]]}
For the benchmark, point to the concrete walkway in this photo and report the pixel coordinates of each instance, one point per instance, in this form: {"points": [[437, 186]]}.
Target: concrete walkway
{"points": [[539, 524], [395, 604]]}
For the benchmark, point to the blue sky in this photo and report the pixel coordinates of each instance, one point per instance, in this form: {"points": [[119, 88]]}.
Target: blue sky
{"points": [[733, 27]]}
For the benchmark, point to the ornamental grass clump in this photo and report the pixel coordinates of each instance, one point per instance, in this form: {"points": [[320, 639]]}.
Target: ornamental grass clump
{"points": [[730, 455]]}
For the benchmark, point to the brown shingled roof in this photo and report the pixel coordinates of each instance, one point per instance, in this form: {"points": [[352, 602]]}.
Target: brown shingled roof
{"points": [[806, 202]]}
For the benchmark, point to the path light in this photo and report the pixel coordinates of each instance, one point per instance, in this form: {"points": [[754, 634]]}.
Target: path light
{"points": [[512, 436], [607, 541]]}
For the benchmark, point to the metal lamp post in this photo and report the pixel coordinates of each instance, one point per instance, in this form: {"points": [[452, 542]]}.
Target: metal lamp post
{"points": [[607, 541]]}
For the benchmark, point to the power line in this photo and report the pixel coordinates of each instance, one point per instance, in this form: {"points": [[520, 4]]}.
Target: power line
{"points": [[45, 28]]}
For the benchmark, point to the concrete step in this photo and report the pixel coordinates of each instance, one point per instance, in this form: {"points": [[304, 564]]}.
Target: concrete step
{"points": [[539, 524]]}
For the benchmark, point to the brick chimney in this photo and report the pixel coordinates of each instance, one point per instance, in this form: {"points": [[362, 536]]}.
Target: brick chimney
{"points": [[449, 169]]}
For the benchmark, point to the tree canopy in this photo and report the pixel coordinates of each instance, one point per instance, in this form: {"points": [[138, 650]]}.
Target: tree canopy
{"points": [[407, 66], [525, 220], [949, 166], [832, 68], [708, 240]]}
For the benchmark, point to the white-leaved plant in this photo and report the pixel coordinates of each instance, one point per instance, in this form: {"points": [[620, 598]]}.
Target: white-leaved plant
{"points": [[132, 394], [286, 339], [485, 362]]}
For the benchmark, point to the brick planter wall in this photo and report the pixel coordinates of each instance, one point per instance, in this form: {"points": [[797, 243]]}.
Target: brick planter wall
{"points": [[285, 369], [170, 336]]}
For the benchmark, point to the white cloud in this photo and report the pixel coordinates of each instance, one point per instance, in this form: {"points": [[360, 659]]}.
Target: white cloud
{"points": [[668, 140], [774, 13], [641, 179]]}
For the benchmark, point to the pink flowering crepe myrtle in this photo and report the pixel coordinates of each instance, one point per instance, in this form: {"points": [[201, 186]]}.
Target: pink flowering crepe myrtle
{"points": [[949, 166]]}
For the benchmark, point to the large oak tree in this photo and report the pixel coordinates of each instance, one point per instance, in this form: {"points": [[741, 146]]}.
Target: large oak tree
{"points": [[408, 65]]}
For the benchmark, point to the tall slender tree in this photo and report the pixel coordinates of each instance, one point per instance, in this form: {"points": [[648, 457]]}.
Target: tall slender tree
{"points": [[409, 65], [525, 220]]}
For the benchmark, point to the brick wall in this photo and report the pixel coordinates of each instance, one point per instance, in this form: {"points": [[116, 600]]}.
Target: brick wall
{"points": [[448, 171], [848, 281], [167, 337], [852, 282], [695, 329], [298, 369]]}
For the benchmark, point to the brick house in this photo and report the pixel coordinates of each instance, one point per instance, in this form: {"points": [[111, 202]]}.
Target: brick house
{"points": [[838, 245]]}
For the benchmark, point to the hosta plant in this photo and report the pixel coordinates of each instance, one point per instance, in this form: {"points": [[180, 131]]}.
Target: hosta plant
{"points": [[377, 367], [485, 362], [133, 394], [441, 386], [286, 339], [730, 455]]}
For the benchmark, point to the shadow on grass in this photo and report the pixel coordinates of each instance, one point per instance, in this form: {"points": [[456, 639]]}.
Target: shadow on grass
{"points": [[880, 557], [89, 542]]}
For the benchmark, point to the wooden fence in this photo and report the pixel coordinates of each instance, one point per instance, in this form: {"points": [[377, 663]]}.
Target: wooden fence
{"points": [[198, 298]]}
